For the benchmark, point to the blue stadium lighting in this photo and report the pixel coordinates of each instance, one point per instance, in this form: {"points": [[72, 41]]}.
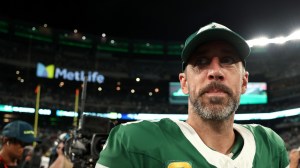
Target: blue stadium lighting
{"points": [[8, 108], [144, 116], [111, 115], [61, 113], [147, 116], [268, 116]]}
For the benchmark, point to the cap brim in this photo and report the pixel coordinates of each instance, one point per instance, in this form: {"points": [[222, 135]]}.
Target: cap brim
{"points": [[29, 139], [216, 34]]}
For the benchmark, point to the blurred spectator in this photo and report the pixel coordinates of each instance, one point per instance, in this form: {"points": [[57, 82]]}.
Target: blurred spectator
{"points": [[36, 157], [15, 136], [294, 158], [27, 157], [62, 138], [62, 161]]}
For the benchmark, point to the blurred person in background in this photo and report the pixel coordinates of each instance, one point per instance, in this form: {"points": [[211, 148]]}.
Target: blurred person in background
{"points": [[213, 76], [62, 161], [294, 158], [26, 158], [32, 157], [16, 136], [63, 137]]}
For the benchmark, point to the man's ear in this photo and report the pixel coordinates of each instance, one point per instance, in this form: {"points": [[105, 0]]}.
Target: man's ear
{"points": [[4, 140], [183, 83], [245, 82]]}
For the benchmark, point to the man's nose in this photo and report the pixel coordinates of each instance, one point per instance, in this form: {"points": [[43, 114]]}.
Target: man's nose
{"points": [[215, 70]]}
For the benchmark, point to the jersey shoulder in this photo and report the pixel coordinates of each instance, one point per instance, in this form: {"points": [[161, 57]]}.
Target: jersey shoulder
{"points": [[144, 127], [269, 146], [265, 134], [144, 133], [260, 130]]}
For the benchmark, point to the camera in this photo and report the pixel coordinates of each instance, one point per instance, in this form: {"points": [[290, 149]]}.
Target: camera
{"points": [[86, 142]]}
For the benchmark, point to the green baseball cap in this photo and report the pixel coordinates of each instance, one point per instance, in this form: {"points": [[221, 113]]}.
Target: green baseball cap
{"points": [[212, 32]]}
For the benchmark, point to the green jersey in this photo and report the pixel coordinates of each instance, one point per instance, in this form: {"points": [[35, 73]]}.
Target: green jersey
{"points": [[175, 144]]}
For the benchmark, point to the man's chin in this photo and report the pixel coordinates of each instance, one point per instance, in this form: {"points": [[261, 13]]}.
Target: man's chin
{"points": [[217, 100], [216, 111]]}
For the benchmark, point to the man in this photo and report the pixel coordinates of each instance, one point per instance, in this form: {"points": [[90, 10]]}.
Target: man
{"points": [[294, 156], [214, 77], [15, 136], [61, 161]]}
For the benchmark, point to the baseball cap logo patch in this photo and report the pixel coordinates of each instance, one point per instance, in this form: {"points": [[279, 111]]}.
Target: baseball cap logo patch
{"points": [[214, 26], [28, 132]]}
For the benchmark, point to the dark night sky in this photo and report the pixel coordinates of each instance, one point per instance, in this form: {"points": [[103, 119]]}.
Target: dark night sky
{"points": [[158, 19]]}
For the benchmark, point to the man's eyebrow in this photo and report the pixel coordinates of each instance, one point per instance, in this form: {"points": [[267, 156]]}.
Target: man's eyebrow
{"points": [[200, 52], [203, 51], [228, 50]]}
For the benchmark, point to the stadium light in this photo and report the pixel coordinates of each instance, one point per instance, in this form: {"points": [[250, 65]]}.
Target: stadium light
{"points": [[279, 40], [263, 41], [295, 35]]}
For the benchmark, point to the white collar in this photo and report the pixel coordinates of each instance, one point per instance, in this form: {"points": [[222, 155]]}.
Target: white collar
{"points": [[244, 159]]}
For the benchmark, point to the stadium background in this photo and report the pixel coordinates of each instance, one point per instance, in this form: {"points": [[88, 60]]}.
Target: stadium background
{"points": [[132, 49]]}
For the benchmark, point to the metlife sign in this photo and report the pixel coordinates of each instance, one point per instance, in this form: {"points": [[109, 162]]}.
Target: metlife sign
{"points": [[51, 72]]}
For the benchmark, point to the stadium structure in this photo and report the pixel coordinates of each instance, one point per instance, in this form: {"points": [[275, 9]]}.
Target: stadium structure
{"points": [[63, 75]]}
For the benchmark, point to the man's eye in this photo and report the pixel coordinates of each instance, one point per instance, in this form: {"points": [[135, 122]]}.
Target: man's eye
{"points": [[202, 61], [228, 60]]}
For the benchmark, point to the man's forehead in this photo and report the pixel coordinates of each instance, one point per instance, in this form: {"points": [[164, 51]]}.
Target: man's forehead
{"points": [[216, 46]]}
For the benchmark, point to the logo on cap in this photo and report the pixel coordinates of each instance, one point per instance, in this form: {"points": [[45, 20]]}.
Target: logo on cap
{"points": [[26, 132], [212, 26]]}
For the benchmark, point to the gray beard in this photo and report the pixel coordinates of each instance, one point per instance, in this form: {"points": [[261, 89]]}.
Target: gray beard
{"points": [[216, 108]]}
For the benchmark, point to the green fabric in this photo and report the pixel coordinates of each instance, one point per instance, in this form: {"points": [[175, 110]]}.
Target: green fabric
{"points": [[270, 148], [162, 144], [238, 145]]}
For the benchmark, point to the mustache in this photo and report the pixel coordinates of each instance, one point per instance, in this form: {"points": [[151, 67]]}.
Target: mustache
{"points": [[218, 86]]}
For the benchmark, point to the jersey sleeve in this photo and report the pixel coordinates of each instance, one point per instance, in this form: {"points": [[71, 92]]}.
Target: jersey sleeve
{"points": [[137, 144], [283, 156], [114, 153]]}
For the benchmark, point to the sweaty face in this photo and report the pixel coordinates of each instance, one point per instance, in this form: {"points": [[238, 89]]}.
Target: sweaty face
{"points": [[214, 79]]}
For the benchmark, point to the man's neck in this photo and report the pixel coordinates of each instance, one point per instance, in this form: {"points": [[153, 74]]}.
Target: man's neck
{"points": [[6, 159], [217, 135]]}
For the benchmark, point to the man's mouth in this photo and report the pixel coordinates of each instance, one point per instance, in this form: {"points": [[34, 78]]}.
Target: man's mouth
{"points": [[216, 89], [215, 92]]}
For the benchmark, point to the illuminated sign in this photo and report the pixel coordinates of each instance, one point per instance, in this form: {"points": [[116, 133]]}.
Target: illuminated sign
{"points": [[45, 71], [51, 72], [256, 94], [66, 113], [10, 109], [147, 116]]}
